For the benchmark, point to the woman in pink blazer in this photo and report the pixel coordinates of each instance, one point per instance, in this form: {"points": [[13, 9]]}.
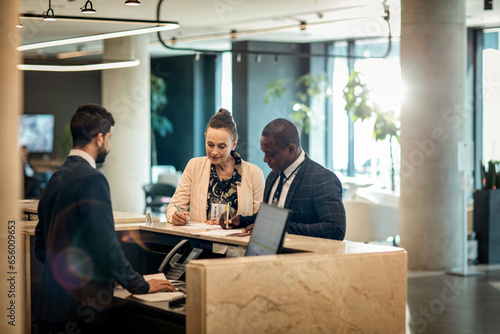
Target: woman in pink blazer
{"points": [[222, 177]]}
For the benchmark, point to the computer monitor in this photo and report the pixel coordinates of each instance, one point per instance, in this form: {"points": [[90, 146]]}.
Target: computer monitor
{"points": [[37, 133], [269, 231]]}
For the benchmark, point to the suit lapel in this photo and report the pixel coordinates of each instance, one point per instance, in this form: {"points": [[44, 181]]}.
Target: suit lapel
{"points": [[296, 182], [269, 185]]}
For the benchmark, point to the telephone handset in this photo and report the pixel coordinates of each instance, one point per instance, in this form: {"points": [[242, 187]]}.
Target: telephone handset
{"points": [[174, 264]]}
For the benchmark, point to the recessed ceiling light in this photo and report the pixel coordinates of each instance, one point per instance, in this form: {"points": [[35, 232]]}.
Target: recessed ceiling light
{"points": [[49, 14], [88, 8], [49, 17], [132, 3]]}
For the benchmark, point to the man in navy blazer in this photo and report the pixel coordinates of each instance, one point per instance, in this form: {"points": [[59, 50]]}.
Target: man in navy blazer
{"points": [[312, 192], [76, 239]]}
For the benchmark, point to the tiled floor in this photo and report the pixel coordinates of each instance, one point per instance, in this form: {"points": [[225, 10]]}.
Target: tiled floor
{"points": [[446, 304]]}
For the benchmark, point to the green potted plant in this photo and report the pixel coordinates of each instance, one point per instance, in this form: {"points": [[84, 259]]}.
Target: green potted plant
{"points": [[307, 86], [487, 214], [359, 106], [160, 124], [65, 142]]}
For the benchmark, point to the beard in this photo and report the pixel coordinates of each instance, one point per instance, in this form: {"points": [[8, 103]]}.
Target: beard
{"points": [[101, 155]]}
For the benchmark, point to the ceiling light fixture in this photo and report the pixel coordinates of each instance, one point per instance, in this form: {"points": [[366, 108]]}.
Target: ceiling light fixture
{"points": [[49, 14], [385, 17], [302, 24], [78, 68], [86, 10], [66, 18], [158, 26], [132, 3]]}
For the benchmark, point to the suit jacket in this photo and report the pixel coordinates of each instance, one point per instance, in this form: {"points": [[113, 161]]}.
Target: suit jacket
{"points": [[76, 240], [315, 198], [193, 189]]}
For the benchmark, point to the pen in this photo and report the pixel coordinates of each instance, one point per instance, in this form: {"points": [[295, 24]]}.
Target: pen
{"points": [[179, 209], [228, 207]]}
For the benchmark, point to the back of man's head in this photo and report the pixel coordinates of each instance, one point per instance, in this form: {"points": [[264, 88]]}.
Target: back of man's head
{"points": [[283, 131], [88, 121]]}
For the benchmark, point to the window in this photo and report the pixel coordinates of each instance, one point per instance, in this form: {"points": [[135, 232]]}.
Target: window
{"points": [[227, 82], [371, 159], [491, 97]]}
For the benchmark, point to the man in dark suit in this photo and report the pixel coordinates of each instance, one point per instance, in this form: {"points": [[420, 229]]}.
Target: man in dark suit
{"points": [[76, 239], [312, 192]]}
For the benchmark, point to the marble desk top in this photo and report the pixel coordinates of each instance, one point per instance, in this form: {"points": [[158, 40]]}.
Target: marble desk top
{"points": [[30, 206], [292, 242], [129, 221]]}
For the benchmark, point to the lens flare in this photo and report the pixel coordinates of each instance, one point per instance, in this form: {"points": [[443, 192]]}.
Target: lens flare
{"points": [[134, 237], [72, 267]]}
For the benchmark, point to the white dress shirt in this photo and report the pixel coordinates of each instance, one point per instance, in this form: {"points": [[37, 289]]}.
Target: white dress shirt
{"points": [[84, 155], [290, 173]]}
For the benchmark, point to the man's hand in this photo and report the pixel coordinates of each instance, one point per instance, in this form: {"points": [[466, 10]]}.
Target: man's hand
{"points": [[156, 285], [234, 222], [179, 219], [248, 229]]}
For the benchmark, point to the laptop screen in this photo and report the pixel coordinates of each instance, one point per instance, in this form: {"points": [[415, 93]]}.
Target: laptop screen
{"points": [[269, 231]]}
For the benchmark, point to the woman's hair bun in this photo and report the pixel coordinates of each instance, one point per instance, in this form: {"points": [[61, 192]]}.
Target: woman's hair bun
{"points": [[223, 120], [223, 112]]}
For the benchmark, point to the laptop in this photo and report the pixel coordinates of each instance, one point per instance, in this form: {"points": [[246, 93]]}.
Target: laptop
{"points": [[269, 231]]}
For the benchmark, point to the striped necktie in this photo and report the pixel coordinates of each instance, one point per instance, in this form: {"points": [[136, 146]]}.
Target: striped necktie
{"points": [[277, 193]]}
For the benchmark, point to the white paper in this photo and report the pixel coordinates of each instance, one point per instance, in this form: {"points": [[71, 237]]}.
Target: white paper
{"points": [[155, 276], [235, 251], [159, 296], [202, 227], [218, 233], [150, 297], [121, 292], [219, 248]]}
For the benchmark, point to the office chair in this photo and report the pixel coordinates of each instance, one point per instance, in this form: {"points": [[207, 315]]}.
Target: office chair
{"points": [[157, 196]]}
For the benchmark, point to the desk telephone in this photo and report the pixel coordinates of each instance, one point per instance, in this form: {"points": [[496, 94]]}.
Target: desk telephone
{"points": [[174, 264]]}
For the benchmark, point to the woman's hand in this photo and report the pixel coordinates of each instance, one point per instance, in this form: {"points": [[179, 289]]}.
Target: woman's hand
{"points": [[213, 221], [180, 219]]}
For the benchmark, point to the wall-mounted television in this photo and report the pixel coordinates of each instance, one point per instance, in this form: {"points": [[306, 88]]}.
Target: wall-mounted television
{"points": [[36, 132]]}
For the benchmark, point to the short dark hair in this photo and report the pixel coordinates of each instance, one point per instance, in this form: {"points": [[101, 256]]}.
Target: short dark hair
{"points": [[88, 121], [283, 131], [223, 120]]}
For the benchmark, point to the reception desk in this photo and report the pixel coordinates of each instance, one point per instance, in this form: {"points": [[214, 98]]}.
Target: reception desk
{"points": [[316, 286]]}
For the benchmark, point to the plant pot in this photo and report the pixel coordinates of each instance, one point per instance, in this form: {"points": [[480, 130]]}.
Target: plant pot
{"points": [[487, 224]]}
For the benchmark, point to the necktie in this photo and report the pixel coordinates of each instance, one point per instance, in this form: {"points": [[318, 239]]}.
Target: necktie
{"points": [[277, 193]]}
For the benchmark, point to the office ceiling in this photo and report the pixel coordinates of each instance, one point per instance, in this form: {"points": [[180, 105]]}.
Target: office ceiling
{"points": [[206, 24]]}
